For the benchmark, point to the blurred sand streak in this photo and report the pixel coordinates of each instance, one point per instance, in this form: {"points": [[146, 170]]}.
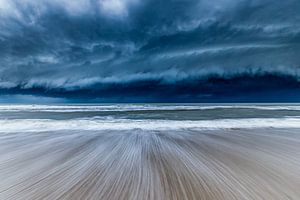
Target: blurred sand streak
{"points": [[260, 164]]}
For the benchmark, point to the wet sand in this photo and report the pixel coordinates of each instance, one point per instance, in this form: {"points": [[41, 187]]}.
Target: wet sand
{"points": [[257, 164]]}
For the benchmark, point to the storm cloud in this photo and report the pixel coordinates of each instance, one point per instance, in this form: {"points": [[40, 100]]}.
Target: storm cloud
{"points": [[151, 50]]}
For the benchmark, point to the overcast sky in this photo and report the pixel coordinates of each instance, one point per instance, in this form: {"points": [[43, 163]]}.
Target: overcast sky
{"points": [[150, 50]]}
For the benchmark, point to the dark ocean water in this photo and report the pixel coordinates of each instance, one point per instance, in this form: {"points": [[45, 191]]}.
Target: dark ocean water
{"points": [[150, 111], [147, 116]]}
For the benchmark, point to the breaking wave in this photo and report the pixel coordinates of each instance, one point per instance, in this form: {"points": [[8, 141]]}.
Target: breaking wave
{"points": [[38, 125]]}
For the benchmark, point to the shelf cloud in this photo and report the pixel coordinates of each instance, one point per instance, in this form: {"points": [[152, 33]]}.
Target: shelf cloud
{"points": [[196, 50]]}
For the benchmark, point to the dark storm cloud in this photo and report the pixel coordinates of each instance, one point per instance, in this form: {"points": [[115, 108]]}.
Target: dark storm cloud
{"points": [[63, 46]]}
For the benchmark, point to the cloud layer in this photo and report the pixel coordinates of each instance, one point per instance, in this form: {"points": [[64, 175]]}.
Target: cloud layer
{"points": [[66, 46]]}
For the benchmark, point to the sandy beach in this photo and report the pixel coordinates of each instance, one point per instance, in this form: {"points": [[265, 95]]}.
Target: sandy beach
{"points": [[250, 164]]}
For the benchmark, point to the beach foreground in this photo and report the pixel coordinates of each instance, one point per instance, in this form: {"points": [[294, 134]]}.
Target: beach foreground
{"points": [[228, 164]]}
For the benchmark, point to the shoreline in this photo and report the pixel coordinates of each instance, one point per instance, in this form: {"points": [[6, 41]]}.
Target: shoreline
{"points": [[135, 164]]}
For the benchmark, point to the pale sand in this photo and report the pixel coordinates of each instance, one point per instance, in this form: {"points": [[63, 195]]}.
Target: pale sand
{"points": [[212, 165]]}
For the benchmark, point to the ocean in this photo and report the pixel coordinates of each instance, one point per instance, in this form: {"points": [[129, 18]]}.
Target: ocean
{"points": [[147, 116], [150, 151]]}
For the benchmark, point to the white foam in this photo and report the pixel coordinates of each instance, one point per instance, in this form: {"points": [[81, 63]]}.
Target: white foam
{"points": [[39, 125], [131, 107]]}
